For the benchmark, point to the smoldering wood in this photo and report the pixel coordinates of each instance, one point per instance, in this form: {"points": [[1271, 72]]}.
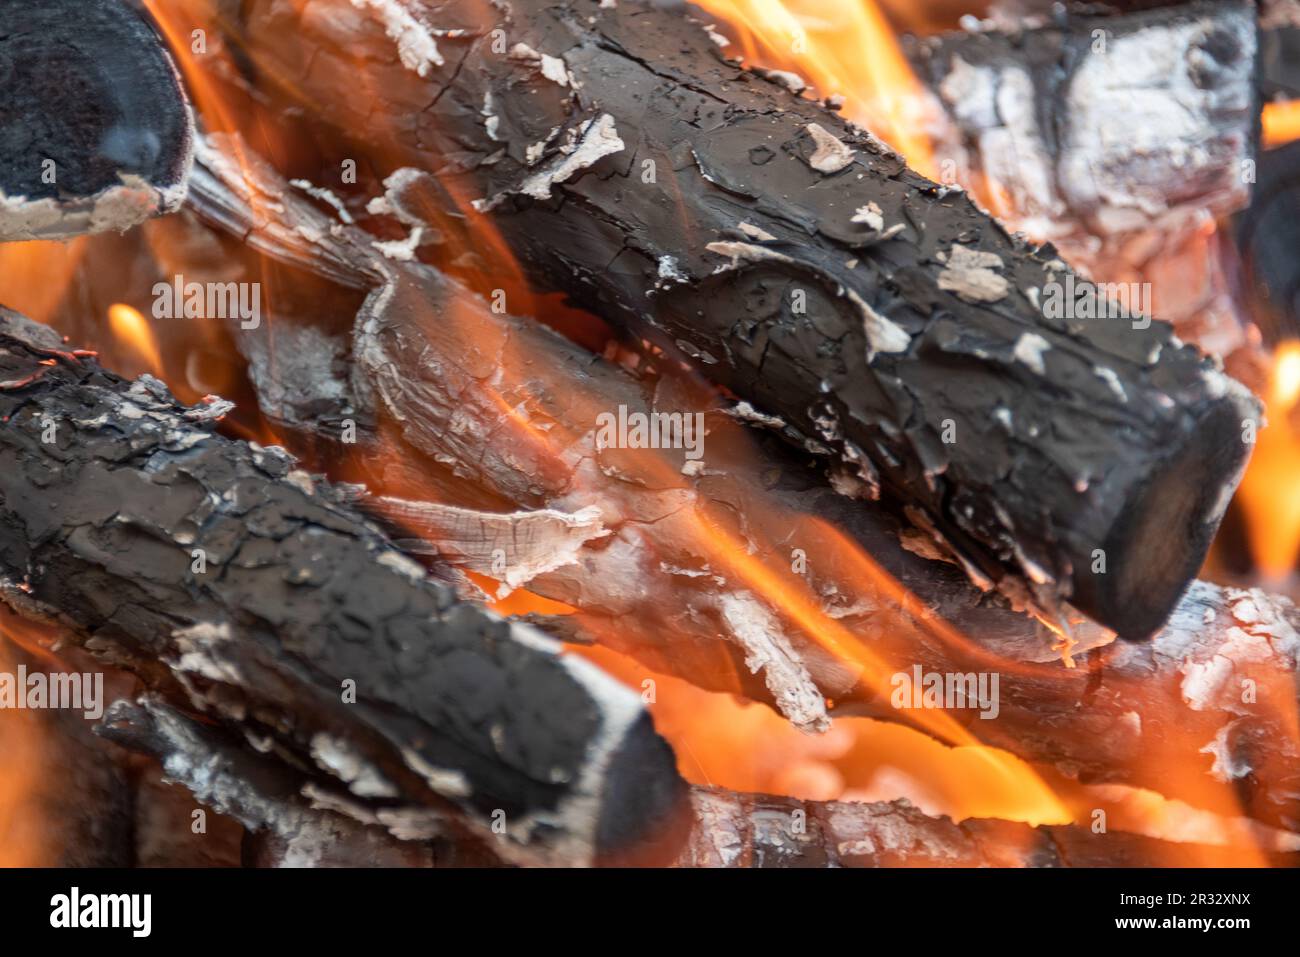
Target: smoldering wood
{"points": [[1178, 698], [1116, 137], [758, 194], [264, 794], [98, 132], [759, 830], [728, 829], [298, 603]]}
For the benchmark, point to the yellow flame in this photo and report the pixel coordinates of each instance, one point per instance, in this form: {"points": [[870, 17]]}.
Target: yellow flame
{"points": [[133, 332], [1269, 492], [843, 47]]}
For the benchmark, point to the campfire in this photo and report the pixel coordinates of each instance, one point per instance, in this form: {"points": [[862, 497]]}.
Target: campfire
{"points": [[611, 432]]}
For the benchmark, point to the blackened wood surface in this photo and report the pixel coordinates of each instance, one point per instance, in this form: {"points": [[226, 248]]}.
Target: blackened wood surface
{"points": [[95, 131], [431, 350], [738, 247], [108, 488]]}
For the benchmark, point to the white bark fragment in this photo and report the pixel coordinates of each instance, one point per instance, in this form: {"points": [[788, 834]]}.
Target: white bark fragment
{"points": [[343, 761], [831, 155], [791, 81], [969, 274], [870, 216], [592, 141], [551, 67], [117, 208], [1029, 349], [511, 547], [416, 47], [767, 649]]}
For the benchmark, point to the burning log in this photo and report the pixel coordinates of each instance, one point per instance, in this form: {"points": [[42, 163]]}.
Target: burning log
{"points": [[98, 131], [1119, 138], [1132, 98], [798, 262], [296, 825], [231, 581], [648, 584]]}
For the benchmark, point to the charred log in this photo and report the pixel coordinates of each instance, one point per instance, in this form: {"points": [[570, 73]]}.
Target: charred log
{"points": [[223, 576], [97, 133], [798, 262], [1267, 233], [644, 582], [1118, 138]]}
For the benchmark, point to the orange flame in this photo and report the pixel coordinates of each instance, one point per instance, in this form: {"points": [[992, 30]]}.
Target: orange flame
{"points": [[20, 751], [1269, 493], [1281, 122], [35, 276], [843, 47], [132, 330]]}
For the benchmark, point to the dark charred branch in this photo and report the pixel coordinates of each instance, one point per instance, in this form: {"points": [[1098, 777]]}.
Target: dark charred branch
{"points": [[728, 829], [651, 588], [233, 582], [796, 261], [95, 130]]}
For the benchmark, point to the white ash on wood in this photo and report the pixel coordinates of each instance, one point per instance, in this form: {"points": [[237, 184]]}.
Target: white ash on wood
{"points": [[97, 130], [898, 341], [220, 574], [632, 579]]}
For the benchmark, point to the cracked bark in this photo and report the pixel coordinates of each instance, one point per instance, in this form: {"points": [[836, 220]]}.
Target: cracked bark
{"points": [[221, 575], [893, 340], [434, 353], [98, 131]]}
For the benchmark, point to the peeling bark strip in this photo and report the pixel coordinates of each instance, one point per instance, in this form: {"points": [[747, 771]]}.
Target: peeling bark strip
{"points": [[878, 361], [98, 134], [303, 825], [1125, 715], [237, 585]]}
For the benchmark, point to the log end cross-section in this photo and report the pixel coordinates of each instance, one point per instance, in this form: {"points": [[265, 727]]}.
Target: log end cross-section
{"points": [[95, 130]]}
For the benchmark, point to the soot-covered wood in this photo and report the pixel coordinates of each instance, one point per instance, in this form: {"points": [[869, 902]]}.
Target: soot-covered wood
{"points": [[456, 377], [95, 131], [1116, 138], [235, 583], [798, 262]]}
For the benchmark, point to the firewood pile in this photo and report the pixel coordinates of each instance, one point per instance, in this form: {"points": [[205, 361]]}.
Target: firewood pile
{"points": [[444, 398]]}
